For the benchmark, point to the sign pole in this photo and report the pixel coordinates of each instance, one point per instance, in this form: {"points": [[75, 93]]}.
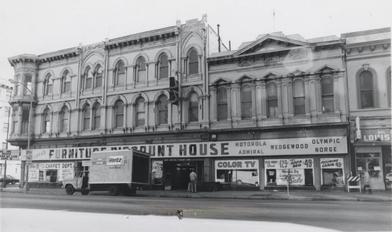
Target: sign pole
{"points": [[288, 182]]}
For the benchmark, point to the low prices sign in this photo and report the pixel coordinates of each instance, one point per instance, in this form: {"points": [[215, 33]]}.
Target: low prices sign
{"points": [[297, 176], [331, 163], [236, 164], [288, 163]]}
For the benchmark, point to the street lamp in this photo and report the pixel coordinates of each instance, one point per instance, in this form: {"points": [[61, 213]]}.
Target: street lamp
{"points": [[26, 185]]}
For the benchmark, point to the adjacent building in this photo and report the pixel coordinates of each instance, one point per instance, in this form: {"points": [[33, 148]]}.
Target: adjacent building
{"points": [[275, 109], [368, 61]]}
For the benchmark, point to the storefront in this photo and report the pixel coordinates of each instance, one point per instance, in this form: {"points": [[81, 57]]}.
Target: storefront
{"points": [[257, 163], [373, 155]]}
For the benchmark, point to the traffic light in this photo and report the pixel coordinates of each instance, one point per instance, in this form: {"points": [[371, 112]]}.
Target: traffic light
{"points": [[173, 90]]}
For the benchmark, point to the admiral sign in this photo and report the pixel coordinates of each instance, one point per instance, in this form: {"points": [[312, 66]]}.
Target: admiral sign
{"points": [[243, 148]]}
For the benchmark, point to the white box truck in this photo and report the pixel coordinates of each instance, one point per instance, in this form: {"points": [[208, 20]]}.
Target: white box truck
{"points": [[120, 171]]}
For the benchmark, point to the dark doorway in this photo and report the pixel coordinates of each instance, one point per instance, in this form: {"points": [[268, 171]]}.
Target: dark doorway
{"points": [[309, 177], [176, 173]]}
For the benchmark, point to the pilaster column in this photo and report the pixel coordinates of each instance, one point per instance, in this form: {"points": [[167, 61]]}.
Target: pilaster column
{"points": [[259, 99], [229, 103], [236, 103], [290, 104], [263, 99], [213, 104], [307, 96], [19, 123], [280, 105], [103, 111], [285, 104], [126, 77], [254, 100], [336, 92], [313, 95], [147, 73], [200, 64]]}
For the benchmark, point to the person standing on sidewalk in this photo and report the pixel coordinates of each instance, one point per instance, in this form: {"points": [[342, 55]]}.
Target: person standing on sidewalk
{"points": [[193, 181]]}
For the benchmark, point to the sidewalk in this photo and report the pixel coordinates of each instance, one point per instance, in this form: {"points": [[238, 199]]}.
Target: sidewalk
{"points": [[257, 195]]}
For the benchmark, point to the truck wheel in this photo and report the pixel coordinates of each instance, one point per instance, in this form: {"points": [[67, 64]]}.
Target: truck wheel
{"points": [[84, 191], [69, 189], [113, 190]]}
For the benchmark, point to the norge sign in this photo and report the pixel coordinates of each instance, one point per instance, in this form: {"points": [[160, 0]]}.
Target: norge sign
{"points": [[243, 148]]}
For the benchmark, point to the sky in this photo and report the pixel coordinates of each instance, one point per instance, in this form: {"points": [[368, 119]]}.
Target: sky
{"points": [[41, 26]]}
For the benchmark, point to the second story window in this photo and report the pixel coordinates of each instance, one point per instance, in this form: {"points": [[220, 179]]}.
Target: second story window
{"points": [[64, 116], [14, 119], [327, 102], [162, 110], [27, 84], [163, 66], [299, 97], [88, 78], [193, 62], [25, 118], [140, 112], [46, 121], [119, 114], [221, 100], [65, 82], [119, 74], [246, 102], [366, 90], [193, 110], [96, 116], [141, 69], [272, 100], [98, 74], [48, 86], [86, 117]]}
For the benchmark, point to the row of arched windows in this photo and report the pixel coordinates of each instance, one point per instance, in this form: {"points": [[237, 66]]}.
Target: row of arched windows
{"points": [[91, 117], [272, 97], [92, 77]]}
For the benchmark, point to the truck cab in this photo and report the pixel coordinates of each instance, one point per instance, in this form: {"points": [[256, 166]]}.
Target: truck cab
{"points": [[79, 183]]}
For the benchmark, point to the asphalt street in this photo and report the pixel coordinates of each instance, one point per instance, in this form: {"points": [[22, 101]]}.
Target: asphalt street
{"points": [[338, 215]]}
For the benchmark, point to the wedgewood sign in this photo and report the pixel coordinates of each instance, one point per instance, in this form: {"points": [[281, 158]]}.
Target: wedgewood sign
{"points": [[270, 147]]}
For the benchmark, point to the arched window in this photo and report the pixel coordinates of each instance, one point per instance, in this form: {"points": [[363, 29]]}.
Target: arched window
{"points": [[119, 74], [193, 110], [141, 72], [65, 82], [299, 97], [86, 117], [119, 114], [162, 109], [163, 66], [193, 62], [389, 86], [140, 112], [327, 102], [272, 100], [14, 119], [98, 73], [25, 118], [366, 90], [88, 78], [246, 102], [64, 119], [221, 100], [48, 87], [27, 83], [96, 116], [46, 121]]}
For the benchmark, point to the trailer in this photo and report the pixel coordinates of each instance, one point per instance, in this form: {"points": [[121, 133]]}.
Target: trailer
{"points": [[119, 171]]}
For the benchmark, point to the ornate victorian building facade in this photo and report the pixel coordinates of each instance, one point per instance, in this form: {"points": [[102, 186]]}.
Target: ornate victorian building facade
{"points": [[275, 108]]}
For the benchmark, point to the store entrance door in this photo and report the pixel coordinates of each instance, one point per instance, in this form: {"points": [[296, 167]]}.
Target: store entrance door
{"points": [[176, 173]]}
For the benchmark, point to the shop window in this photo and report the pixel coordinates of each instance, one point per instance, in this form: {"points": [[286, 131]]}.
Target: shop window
{"points": [[222, 104], [278, 172], [162, 110], [272, 101], [246, 102], [237, 172], [40, 175], [51, 175], [327, 94], [332, 172], [119, 74], [193, 109]]}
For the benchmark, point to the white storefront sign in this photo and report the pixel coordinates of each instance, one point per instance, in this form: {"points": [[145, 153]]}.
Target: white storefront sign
{"points": [[331, 162], [243, 148], [236, 164], [64, 170]]}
